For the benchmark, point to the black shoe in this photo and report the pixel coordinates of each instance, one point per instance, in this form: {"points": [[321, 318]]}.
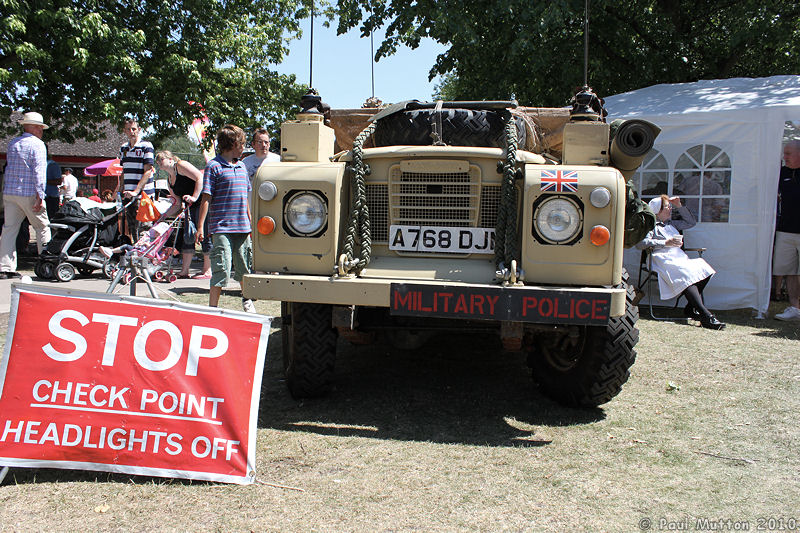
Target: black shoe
{"points": [[711, 322], [690, 312], [9, 275]]}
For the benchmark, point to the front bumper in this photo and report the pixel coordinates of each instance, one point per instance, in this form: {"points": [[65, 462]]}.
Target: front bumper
{"points": [[529, 303]]}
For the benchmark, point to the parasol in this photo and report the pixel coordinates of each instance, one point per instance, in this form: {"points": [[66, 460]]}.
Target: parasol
{"points": [[109, 167]]}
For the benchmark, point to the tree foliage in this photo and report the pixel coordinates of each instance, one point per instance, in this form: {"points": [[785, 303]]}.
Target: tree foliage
{"points": [[80, 62], [533, 49]]}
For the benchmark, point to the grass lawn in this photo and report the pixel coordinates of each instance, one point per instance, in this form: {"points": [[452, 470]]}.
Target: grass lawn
{"points": [[454, 437]]}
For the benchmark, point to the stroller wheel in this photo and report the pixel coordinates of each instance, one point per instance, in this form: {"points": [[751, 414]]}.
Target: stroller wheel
{"points": [[65, 272], [127, 278], [110, 266], [172, 278], [159, 276], [47, 270], [85, 271], [37, 269]]}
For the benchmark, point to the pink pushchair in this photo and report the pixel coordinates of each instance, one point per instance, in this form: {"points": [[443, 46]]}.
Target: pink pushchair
{"points": [[149, 259]]}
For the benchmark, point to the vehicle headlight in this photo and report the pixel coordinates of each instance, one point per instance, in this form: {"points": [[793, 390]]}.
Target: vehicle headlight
{"points": [[557, 219], [306, 213]]}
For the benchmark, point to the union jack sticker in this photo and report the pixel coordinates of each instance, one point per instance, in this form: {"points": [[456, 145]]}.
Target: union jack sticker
{"points": [[559, 180]]}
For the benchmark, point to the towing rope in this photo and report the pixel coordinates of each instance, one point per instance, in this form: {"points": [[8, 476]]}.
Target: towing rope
{"points": [[506, 229], [358, 226]]}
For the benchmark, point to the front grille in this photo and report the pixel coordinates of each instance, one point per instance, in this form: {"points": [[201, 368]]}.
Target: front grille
{"points": [[378, 204], [434, 199], [490, 201], [429, 199]]}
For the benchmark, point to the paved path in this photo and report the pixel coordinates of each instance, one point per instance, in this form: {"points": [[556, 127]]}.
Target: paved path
{"points": [[96, 283]]}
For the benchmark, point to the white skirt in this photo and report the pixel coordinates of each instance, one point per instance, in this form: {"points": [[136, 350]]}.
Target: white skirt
{"points": [[676, 271]]}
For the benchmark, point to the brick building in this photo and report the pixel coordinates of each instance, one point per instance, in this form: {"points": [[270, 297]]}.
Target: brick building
{"points": [[78, 155]]}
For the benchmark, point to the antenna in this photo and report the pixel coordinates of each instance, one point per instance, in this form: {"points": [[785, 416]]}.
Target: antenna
{"points": [[372, 61], [586, 44], [311, 52]]}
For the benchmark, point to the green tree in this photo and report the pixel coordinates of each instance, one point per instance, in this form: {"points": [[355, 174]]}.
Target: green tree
{"points": [[80, 62], [533, 49]]}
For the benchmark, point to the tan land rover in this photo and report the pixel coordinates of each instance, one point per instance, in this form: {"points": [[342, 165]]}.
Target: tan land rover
{"points": [[446, 215]]}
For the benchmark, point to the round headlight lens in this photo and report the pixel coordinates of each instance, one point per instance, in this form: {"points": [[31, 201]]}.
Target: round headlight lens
{"points": [[558, 219], [306, 213]]}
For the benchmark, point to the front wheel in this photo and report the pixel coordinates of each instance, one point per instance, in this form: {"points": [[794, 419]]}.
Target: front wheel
{"points": [[591, 370], [110, 267], [309, 348], [65, 272]]}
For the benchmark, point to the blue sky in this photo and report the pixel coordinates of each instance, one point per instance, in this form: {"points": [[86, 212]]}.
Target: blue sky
{"points": [[342, 67]]}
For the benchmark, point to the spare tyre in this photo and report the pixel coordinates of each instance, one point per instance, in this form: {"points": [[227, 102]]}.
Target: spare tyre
{"points": [[460, 127]]}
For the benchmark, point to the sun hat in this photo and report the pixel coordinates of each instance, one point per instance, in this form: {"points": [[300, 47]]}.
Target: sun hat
{"points": [[33, 118]]}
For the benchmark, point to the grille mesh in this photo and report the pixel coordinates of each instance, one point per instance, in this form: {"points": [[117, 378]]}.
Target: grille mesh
{"points": [[377, 201], [490, 201], [441, 199], [428, 199]]}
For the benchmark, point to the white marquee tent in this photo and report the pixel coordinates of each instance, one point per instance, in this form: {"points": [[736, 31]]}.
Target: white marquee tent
{"points": [[720, 151]]}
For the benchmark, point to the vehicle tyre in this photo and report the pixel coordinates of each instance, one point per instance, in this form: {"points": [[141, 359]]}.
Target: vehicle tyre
{"points": [[460, 127], [309, 348], [594, 370], [65, 272]]}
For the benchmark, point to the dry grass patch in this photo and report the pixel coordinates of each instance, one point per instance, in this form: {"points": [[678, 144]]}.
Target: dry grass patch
{"points": [[454, 437]]}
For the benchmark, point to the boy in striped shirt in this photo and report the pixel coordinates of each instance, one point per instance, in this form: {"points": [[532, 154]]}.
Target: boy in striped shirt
{"points": [[225, 200]]}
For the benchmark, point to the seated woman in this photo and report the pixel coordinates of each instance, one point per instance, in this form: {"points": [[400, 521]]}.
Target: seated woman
{"points": [[677, 273]]}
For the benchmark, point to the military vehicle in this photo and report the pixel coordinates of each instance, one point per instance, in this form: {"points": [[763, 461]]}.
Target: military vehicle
{"points": [[450, 216]]}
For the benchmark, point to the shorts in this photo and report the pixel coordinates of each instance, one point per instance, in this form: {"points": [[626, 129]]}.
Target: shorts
{"points": [[229, 249], [786, 256]]}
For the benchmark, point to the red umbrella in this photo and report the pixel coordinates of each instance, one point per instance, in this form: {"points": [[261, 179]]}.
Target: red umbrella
{"points": [[109, 167]]}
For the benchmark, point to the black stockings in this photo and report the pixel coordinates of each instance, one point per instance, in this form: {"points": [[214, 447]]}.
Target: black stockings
{"points": [[694, 295]]}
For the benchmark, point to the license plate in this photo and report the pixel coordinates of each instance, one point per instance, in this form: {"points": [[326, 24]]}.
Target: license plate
{"points": [[441, 239]]}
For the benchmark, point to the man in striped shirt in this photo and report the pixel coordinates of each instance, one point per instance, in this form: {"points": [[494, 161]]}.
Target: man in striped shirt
{"points": [[137, 158], [23, 191], [225, 200]]}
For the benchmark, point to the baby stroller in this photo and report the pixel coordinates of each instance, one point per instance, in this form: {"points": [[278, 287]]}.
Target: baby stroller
{"points": [[149, 259], [81, 227]]}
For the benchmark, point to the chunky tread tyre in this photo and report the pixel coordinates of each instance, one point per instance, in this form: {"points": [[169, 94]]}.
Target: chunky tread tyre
{"points": [[309, 348], [602, 361], [460, 127]]}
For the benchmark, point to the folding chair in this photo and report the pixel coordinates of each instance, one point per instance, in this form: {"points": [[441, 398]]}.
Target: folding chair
{"points": [[646, 266]]}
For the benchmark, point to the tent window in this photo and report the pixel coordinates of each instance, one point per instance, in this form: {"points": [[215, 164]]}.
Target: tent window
{"points": [[652, 177], [702, 178]]}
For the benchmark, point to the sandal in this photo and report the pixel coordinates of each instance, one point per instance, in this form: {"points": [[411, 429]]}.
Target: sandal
{"points": [[201, 276]]}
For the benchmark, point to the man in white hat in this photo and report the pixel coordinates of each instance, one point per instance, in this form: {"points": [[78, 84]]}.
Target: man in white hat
{"points": [[23, 191]]}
